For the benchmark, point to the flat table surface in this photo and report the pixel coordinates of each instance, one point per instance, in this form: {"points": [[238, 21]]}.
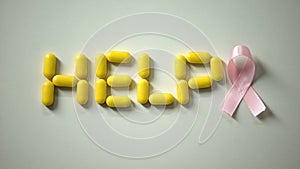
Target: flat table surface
{"points": [[32, 136]]}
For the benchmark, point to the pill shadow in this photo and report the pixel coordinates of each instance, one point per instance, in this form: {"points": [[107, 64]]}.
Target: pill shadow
{"points": [[206, 91], [58, 65], [116, 110], [146, 105], [132, 86], [224, 69], [104, 105], [89, 69], [151, 75]]}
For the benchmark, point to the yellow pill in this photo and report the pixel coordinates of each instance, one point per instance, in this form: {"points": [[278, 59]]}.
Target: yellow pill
{"points": [[142, 91], [118, 57], [183, 92], [180, 67], [198, 57], [64, 81], [48, 93], [216, 68], [119, 81], [101, 66], [100, 91], [144, 65], [161, 99], [81, 66], [49, 65], [82, 93], [200, 82], [118, 101]]}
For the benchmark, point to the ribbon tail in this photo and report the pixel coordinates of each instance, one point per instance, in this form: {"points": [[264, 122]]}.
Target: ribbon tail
{"points": [[231, 102], [254, 102]]}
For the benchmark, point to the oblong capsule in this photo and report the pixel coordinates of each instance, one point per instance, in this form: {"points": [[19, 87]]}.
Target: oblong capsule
{"points": [[47, 93], [101, 66], [81, 68], [183, 92], [180, 67], [118, 57], [161, 99], [216, 68], [118, 101], [198, 57], [49, 65], [100, 91], [142, 91], [200, 82], [64, 81], [82, 93], [144, 65], [119, 81]]}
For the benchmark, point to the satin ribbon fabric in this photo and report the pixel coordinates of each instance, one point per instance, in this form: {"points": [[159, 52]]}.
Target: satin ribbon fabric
{"points": [[241, 84]]}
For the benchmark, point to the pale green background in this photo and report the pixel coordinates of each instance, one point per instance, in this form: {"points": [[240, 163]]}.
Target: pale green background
{"points": [[35, 139]]}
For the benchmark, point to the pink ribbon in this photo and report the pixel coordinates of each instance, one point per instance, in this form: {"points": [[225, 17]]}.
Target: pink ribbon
{"points": [[241, 84]]}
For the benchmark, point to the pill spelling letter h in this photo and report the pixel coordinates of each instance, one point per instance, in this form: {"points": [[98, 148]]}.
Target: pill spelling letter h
{"points": [[54, 79]]}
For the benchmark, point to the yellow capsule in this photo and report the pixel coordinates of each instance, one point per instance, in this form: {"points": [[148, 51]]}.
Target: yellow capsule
{"points": [[183, 92], [180, 67], [118, 101], [100, 91], [49, 65], [101, 66], [64, 81], [82, 93], [118, 57], [81, 66], [144, 65], [119, 81], [198, 57], [200, 82], [161, 99], [48, 93], [216, 68], [142, 91]]}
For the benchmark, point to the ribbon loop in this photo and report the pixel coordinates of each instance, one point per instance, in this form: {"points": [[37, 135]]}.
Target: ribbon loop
{"points": [[241, 84]]}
